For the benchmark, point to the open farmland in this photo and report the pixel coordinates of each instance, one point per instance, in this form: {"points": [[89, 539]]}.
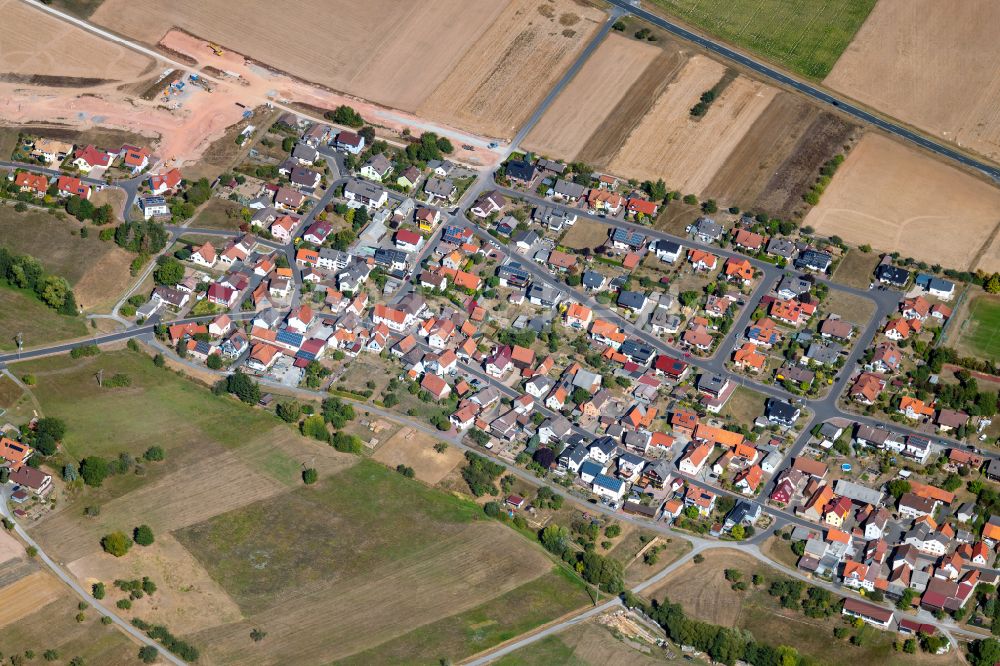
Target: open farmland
{"points": [[779, 157], [499, 81], [391, 55], [686, 152], [579, 116], [186, 599], [50, 623], [403, 557], [806, 37], [930, 64], [894, 197], [67, 56], [97, 270]]}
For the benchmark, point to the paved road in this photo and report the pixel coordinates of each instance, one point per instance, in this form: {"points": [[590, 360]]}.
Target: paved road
{"points": [[809, 90]]}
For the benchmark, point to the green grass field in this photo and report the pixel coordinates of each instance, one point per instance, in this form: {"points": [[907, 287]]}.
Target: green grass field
{"points": [[981, 331], [806, 36], [38, 323]]}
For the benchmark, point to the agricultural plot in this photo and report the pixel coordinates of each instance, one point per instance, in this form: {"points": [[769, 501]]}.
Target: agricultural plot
{"points": [[97, 270], [932, 65], [50, 624], [403, 557], [778, 158], [579, 117], [500, 80], [894, 197], [69, 55], [686, 152], [979, 332], [807, 38], [393, 62], [186, 599]]}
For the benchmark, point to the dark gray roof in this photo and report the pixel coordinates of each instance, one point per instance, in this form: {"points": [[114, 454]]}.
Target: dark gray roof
{"points": [[631, 299]]}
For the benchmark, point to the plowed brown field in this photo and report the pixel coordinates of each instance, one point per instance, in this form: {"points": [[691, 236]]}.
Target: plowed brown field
{"points": [[780, 155], [35, 43]]}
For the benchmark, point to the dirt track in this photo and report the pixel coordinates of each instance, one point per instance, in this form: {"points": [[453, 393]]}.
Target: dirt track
{"points": [[932, 64], [894, 197]]}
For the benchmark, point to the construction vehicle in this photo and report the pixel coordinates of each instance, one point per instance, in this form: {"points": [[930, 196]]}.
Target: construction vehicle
{"points": [[216, 49]]}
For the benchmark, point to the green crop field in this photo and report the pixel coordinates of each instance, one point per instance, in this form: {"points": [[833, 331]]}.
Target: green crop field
{"points": [[806, 36], [981, 331]]}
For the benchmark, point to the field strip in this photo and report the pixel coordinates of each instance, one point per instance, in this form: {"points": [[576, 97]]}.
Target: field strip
{"points": [[27, 595], [447, 578]]}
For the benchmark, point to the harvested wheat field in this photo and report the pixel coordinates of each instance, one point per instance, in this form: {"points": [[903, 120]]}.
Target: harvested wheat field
{"points": [[186, 598], [931, 64], [377, 50], [25, 596], [586, 105], [684, 151], [416, 449], [894, 197], [35, 44], [780, 156], [506, 73]]}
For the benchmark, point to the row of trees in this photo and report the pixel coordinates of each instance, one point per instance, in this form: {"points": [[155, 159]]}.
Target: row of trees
{"points": [[25, 272]]}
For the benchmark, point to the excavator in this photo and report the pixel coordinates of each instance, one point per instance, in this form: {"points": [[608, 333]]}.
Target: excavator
{"points": [[216, 49]]}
